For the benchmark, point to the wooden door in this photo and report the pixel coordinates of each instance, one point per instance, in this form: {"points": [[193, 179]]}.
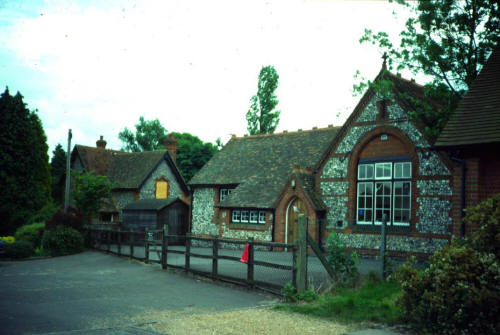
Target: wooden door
{"points": [[295, 208]]}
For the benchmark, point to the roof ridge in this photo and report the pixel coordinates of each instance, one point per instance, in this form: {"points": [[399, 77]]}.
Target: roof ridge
{"points": [[286, 132]]}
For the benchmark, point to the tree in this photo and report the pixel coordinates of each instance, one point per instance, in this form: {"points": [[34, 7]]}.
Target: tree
{"points": [[57, 171], [89, 191], [25, 174], [192, 153], [447, 40], [149, 135], [261, 117]]}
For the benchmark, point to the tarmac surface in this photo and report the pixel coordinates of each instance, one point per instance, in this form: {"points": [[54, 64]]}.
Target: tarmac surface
{"points": [[74, 294]]}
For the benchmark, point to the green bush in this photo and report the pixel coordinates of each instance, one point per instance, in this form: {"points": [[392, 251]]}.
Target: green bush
{"points": [[19, 249], [62, 241], [32, 233], [72, 219], [344, 264], [459, 291]]}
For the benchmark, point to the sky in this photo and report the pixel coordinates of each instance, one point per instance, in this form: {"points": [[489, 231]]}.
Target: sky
{"points": [[96, 66]]}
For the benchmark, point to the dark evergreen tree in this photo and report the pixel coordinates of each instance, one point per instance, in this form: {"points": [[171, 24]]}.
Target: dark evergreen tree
{"points": [[24, 163], [57, 172]]}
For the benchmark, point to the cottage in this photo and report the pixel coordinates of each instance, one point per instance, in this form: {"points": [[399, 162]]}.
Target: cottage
{"points": [[472, 138], [345, 179], [134, 175]]}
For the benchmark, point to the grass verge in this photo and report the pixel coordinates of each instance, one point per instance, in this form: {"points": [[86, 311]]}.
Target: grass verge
{"points": [[373, 301]]}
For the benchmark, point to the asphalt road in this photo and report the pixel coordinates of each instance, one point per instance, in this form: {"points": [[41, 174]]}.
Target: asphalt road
{"points": [[92, 289]]}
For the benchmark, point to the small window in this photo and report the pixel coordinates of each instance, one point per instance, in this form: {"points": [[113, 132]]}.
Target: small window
{"points": [[254, 216], [262, 217], [244, 216], [224, 192], [402, 170], [236, 216], [383, 170], [365, 171]]}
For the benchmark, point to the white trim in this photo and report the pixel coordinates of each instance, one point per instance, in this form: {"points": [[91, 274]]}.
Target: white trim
{"points": [[263, 213], [233, 214], [256, 213], [383, 177], [394, 222], [286, 219]]}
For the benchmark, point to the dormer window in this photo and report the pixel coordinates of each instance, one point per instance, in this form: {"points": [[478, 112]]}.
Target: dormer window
{"points": [[224, 192]]}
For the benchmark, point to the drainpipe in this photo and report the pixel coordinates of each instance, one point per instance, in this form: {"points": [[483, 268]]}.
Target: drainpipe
{"points": [[462, 193]]}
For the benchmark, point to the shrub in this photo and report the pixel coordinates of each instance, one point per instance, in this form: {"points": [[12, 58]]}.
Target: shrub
{"points": [[290, 294], [32, 233], [19, 249], [8, 239], [72, 219], [62, 241], [45, 213], [342, 262]]}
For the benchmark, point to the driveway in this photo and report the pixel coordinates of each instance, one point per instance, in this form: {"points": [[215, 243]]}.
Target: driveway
{"points": [[93, 290]]}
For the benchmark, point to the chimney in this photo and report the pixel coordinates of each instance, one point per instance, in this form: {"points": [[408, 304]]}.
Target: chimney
{"points": [[171, 145], [101, 143]]}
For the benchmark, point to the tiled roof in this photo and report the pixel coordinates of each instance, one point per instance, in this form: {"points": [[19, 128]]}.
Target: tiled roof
{"points": [[261, 165], [477, 117], [150, 204]]}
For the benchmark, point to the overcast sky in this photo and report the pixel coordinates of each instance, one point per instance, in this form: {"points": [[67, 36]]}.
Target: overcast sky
{"points": [[95, 66]]}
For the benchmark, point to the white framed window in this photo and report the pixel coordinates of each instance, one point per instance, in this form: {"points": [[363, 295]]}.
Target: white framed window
{"points": [[262, 217], [244, 216], [383, 170], [385, 188], [254, 216], [236, 216], [224, 192]]}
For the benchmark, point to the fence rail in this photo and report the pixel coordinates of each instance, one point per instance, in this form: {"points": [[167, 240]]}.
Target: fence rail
{"points": [[213, 257]]}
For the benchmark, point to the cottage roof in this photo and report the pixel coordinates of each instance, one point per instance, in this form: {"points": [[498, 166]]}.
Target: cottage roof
{"points": [[477, 117], [125, 170], [260, 165], [150, 204]]}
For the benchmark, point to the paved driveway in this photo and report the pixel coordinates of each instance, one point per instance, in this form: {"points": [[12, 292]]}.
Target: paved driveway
{"points": [[96, 290]]}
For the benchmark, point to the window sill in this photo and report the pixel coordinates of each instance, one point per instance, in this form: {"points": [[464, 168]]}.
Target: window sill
{"points": [[357, 228], [251, 226]]}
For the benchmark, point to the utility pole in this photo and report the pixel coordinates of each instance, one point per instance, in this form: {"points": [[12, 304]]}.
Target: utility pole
{"points": [[68, 174]]}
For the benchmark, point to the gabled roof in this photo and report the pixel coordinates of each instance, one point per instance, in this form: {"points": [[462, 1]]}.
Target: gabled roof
{"points": [[125, 170], [477, 117], [261, 164], [151, 204]]}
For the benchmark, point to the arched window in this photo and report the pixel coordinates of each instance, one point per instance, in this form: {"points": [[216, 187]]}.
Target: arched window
{"points": [[161, 189]]}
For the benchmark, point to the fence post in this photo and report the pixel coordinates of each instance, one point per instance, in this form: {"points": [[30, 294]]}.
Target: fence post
{"points": [[164, 246], [382, 246], [132, 240], [188, 251], [146, 246], [301, 253], [215, 256], [250, 262], [119, 241], [108, 232]]}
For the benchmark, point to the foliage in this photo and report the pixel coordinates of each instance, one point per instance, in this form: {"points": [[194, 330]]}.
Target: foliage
{"points": [[31, 233], [58, 171], [486, 216], [149, 136], [62, 241], [25, 171], [8, 239], [290, 294], [45, 213], [89, 190], [73, 219], [261, 117], [342, 262], [19, 249], [373, 301], [192, 154], [448, 41]]}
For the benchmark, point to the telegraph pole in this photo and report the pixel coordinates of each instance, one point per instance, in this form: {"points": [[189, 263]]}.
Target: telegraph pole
{"points": [[68, 174]]}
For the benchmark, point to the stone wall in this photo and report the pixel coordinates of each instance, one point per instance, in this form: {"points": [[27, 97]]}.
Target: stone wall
{"points": [[203, 212], [433, 215], [336, 167], [337, 211], [122, 198], [147, 190], [434, 187], [258, 235]]}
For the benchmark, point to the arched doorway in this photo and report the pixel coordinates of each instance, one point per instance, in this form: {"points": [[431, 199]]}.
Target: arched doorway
{"points": [[294, 208]]}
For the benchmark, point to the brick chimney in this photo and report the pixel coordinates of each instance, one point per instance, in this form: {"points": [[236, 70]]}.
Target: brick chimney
{"points": [[171, 145], [101, 143]]}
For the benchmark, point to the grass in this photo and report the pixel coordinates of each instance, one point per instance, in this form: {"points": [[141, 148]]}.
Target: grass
{"points": [[373, 301]]}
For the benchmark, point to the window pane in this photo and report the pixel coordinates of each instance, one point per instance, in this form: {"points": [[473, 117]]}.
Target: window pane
{"points": [[407, 170], [254, 216], [244, 216], [361, 172], [383, 170], [368, 202], [369, 189], [262, 217], [236, 216], [369, 171]]}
